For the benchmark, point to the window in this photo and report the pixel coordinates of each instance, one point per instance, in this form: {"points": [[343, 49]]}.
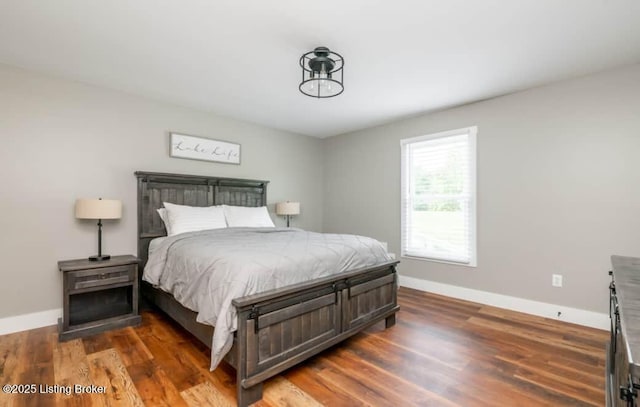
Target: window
{"points": [[439, 196]]}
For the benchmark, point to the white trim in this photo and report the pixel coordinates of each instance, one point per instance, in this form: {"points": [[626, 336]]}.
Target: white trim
{"points": [[473, 193], [25, 322], [542, 309], [434, 260], [574, 315], [442, 134]]}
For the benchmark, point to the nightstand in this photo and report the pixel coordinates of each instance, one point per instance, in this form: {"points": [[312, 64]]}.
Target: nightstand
{"points": [[98, 296]]}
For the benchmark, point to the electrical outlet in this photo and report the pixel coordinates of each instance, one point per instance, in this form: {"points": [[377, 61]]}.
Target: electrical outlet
{"points": [[556, 280]]}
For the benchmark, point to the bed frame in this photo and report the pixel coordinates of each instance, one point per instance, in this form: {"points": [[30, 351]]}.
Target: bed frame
{"points": [[279, 328]]}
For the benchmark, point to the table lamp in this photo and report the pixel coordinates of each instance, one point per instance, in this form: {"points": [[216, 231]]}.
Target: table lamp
{"points": [[288, 209], [99, 209]]}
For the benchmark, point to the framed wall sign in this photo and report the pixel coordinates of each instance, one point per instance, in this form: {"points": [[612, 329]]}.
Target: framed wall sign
{"points": [[200, 148]]}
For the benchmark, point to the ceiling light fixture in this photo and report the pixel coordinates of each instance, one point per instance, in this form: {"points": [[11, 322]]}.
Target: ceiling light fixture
{"points": [[322, 73]]}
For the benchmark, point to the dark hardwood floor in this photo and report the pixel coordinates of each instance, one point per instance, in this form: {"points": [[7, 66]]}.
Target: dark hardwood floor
{"points": [[441, 352]]}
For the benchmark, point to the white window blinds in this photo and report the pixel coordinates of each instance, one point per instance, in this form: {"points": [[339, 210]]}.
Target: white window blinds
{"points": [[439, 196]]}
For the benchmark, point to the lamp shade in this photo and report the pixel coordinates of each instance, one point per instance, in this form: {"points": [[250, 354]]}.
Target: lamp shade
{"points": [[288, 208], [98, 209]]}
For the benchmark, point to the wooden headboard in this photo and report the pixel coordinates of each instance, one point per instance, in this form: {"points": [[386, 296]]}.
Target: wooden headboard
{"points": [[194, 190]]}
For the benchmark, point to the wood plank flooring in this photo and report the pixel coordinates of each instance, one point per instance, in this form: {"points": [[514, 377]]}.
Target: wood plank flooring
{"points": [[441, 352]]}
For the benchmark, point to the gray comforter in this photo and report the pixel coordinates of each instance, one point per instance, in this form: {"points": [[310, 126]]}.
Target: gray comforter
{"points": [[205, 270]]}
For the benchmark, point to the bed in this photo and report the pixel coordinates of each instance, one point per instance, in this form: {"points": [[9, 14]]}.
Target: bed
{"points": [[278, 328]]}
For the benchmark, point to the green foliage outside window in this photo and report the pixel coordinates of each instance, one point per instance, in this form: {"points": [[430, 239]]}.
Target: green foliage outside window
{"points": [[448, 179]]}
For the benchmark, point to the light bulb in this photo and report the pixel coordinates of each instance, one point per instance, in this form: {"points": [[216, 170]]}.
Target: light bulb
{"points": [[323, 76]]}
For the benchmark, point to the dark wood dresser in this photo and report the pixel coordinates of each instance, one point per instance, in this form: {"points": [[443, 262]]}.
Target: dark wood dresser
{"points": [[623, 350]]}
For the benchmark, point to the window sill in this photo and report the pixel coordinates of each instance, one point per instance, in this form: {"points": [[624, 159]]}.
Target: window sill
{"points": [[453, 263]]}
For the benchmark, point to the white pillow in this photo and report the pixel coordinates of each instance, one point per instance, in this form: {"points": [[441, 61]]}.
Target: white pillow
{"points": [[184, 218], [243, 216], [165, 219]]}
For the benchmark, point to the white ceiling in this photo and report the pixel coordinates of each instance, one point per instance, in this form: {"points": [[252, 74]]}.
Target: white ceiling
{"points": [[240, 58]]}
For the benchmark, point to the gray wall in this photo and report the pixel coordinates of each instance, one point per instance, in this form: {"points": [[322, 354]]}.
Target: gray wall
{"points": [[558, 187], [558, 181], [61, 140]]}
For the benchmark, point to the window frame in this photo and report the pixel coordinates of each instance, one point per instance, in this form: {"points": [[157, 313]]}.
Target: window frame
{"points": [[471, 132]]}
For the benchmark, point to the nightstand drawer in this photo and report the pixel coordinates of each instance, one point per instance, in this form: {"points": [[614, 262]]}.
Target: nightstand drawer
{"points": [[79, 280]]}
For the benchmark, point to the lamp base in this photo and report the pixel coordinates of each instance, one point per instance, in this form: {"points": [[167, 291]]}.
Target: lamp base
{"points": [[100, 258]]}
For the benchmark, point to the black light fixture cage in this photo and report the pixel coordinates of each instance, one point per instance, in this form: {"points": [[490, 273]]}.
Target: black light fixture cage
{"points": [[322, 73]]}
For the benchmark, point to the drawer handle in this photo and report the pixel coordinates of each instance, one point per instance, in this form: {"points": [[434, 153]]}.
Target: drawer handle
{"points": [[103, 276]]}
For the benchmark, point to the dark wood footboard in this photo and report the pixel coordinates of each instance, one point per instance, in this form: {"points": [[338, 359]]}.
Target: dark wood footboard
{"points": [[280, 328]]}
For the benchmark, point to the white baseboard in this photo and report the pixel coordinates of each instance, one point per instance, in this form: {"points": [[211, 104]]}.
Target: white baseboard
{"points": [[542, 309], [29, 321], [574, 315]]}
